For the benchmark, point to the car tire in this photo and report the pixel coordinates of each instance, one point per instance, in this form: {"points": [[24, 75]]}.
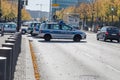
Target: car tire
{"points": [[118, 40], [23, 32], [104, 38], [33, 34], [77, 38], [47, 37], [97, 38], [110, 40]]}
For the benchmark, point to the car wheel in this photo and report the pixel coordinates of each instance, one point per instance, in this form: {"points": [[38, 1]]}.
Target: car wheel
{"points": [[97, 38], [23, 32], [33, 34], [118, 40], [77, 38], [104, 38], [47, 37], [110, 40]]}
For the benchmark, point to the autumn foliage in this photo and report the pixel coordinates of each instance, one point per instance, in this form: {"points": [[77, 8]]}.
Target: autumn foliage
{"points": [[104, 10], [9, 10]]}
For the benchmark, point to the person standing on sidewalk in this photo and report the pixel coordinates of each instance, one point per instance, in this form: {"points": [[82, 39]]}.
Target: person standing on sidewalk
{"points": [[2, 30]]}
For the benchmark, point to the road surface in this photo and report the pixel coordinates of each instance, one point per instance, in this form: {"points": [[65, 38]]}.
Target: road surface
{"points": [[86, 60]]}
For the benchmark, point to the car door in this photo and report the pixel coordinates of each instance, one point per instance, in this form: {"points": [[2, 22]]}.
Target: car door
{"points": [[55, 31], [101, 33], [67, 32]]}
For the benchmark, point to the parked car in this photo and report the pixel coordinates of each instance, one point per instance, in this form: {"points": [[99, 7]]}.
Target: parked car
{"points": [[33, 28], [23, 30], [10, 27], [109, 32], [57, 31]]}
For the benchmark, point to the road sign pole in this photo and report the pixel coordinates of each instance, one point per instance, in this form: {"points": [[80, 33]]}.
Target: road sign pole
{"points": [[19, 16]]}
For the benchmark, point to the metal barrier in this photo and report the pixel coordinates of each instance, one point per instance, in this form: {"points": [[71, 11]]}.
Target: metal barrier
{"points": [[13, 60], [3, 68], [11, 49], [7, 52]]}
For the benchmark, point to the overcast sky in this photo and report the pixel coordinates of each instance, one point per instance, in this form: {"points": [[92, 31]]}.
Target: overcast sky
{"points": [[38, 5]]}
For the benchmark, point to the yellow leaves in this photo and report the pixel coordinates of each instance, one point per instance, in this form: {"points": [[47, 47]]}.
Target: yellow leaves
{"points": [[25, 15], [99, 8], [10, 10]]}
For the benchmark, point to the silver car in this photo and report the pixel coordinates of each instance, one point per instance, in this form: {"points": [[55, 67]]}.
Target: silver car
{"points": [[57, 31]]}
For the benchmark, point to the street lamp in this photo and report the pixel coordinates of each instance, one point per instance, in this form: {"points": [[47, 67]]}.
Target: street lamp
{"points": [[112, 9], [40, 9], [93, 11], [0, 9]]}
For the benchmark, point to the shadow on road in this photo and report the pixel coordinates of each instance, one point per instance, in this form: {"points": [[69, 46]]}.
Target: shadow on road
{"points": [[61, 41], [111, 42]]}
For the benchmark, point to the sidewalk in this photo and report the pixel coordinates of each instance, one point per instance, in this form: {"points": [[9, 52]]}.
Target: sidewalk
{"points": [[24, 68]]}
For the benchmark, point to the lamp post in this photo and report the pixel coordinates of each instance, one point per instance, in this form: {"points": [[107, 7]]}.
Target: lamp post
{"points": [[50, 10], [40, 9], [0, 9], [19, 15], [92, 7], [112, 9]]}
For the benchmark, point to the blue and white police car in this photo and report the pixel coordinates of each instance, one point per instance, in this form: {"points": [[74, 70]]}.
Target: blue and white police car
{"points": [[53, 30]]}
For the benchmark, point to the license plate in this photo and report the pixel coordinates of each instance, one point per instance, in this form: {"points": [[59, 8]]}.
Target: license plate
{"points": [[113, 34]]}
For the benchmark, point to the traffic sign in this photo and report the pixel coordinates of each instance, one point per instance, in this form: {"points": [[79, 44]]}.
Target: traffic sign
{"points": [[55, 5]]}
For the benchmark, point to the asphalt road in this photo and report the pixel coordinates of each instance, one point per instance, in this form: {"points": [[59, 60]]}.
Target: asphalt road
{"points": [[86, 60]]}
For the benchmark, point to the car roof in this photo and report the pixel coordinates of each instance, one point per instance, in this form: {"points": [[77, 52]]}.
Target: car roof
{"points": [[51, 22], [110, 27], [35, 22]]}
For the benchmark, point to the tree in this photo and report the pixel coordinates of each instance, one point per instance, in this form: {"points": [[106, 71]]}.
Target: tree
{"points": [[9, 10]]}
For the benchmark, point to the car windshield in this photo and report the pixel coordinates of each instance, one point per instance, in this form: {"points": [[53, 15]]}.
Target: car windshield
{"points": [[116, 30], [37, 25]]}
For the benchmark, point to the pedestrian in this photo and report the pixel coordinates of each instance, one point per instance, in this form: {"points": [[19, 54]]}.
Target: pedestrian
{"points": [[2, 31]]}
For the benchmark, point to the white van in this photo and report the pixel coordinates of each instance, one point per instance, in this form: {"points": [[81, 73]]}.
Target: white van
{"points": [[10, 27]]}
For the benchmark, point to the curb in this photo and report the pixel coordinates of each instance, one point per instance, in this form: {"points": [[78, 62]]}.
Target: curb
{"points": [[29, 65], [35, 65]]}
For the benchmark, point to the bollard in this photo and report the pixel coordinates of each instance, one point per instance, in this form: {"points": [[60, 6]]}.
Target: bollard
{"points": [[13, 57], [16, 45], [12, 38], [10, 41], [3, 62], [6, 52], [19, 37]]}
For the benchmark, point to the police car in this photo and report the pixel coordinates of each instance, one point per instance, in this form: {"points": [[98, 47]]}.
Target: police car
{"points": [[10, 27], [33, 28], [60, 31]]}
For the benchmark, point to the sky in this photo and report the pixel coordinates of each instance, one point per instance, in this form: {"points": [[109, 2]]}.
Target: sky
{"points": [[42, 5]]}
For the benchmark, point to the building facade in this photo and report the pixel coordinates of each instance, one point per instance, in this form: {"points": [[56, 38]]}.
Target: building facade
{"points": [[61, 4], [64, 4]]}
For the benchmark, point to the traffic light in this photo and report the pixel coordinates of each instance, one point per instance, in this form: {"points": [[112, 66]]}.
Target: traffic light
{"points": [[26, 3], [22, 4]]}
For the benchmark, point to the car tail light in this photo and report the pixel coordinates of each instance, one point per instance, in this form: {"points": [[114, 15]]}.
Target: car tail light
{"points": [[106, 33]]}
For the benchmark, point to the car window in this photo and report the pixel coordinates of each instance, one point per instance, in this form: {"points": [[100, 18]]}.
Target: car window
{"points": [[113, 30], [6, 26], [46, 26], [103, 29], [66, 27], [55, 26], [12, 25]]}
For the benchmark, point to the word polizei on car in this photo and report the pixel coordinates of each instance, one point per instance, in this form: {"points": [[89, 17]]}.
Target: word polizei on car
{"points": [[57, 31]]}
